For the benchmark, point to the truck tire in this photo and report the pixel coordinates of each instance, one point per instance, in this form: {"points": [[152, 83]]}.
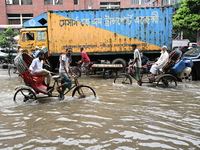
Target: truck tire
{"points": [[120, 61]]}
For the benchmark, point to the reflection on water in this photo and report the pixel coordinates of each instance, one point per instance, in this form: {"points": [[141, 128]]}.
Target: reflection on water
{"points": [[122, 117]]}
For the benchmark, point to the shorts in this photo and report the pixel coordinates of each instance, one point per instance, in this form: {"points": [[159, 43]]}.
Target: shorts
{"points": [[65, 80]]}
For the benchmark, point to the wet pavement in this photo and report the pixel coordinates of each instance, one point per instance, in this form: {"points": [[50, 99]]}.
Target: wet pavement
{"points": [[121, 117]]}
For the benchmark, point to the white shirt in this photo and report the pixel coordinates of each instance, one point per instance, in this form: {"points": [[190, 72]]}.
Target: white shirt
{"points": [[63, 57], [163, 59], [138, 63], [36, 65]]}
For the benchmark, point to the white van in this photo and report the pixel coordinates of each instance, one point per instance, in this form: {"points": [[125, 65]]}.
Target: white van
{"points": [[179, 42], [176, 43]]}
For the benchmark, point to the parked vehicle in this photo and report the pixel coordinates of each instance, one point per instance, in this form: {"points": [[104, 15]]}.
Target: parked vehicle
{"points": [[182, 44], [183, 49], [194, 54], [2, 57], [104, 34], [5, 56]]}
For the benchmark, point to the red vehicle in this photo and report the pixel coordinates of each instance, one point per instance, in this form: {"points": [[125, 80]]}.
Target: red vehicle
{"points": [[36, 85]]}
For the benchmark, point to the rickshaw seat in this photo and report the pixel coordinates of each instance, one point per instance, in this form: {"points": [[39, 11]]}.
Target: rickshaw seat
{"points": [[29, 79]]}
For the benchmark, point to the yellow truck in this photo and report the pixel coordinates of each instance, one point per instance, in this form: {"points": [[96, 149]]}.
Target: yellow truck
{"points": [[104, 34]]}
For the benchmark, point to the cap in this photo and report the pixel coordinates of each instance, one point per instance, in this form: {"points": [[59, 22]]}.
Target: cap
{"points": [[165, 46], [36, 46]]}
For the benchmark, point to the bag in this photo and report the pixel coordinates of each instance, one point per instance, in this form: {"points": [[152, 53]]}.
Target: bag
{"points": [[131, 69]]}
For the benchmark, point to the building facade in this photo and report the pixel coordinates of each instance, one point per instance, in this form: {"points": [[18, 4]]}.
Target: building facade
{"points": [[15, 12]]}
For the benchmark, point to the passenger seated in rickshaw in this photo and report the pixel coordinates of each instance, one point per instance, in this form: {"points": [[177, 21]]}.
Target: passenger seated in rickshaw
{"points": [[160, 63], [36, 69]]}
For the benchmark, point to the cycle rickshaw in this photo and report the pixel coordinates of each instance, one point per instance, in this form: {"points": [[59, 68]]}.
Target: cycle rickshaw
{"points": [[175, 69], [35, 86]]}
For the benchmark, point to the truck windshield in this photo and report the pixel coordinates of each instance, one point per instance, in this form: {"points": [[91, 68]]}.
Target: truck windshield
{"points": [[192, 52], [41, 36], [27, 36]]}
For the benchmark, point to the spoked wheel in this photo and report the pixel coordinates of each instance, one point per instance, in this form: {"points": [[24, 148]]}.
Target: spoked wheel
{"points": [[84, 91], [109, 74], [23, 95], [76, 71], [123, 79], [167, 82], [12, 71]]}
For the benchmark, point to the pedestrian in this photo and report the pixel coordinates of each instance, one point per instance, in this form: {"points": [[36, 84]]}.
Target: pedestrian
{"points": [[37, 50], [36, 69], [65, 71], [85, 60], [144, 58], [160, 63], [19, 49], [137, 64]]}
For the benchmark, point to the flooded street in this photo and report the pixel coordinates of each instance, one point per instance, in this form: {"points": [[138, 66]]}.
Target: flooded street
{"points": [[121, 118]]}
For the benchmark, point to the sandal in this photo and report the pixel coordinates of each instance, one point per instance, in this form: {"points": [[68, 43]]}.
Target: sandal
{"points": [[139, 83]]}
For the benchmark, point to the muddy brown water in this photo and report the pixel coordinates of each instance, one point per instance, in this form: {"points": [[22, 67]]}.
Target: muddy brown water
{"points": [[120, 118]]}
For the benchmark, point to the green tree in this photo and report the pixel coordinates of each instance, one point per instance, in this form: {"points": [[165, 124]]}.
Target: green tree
{"points": [[187, 17], [7, 41]]}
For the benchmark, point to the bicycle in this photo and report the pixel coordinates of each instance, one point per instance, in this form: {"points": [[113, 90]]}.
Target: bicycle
{"points": [[165, 77], [80, 91], [163, 80], [36, 85], [12, 71], [77, 69]]}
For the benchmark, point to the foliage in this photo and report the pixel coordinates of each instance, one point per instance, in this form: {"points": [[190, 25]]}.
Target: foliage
{"points": [[7, 38], [187, 17], [7, 41]]}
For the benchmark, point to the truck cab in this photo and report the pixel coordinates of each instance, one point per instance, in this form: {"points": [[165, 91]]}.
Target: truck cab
{"points": [[31, 37]]}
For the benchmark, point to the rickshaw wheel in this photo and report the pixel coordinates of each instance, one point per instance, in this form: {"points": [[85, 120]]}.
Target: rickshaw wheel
{"points": [[167, 82], [84, 91], [23, 95], [123, 79]]}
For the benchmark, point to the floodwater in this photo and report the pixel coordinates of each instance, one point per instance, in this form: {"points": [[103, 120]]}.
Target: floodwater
{"points": [[120, 118]]}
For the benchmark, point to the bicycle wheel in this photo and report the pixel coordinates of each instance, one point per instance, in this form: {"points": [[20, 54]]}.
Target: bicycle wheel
{"points": [[12, 71], [167, 82], [123, 79], [84, 91], [76, 71], [23, 95]]}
